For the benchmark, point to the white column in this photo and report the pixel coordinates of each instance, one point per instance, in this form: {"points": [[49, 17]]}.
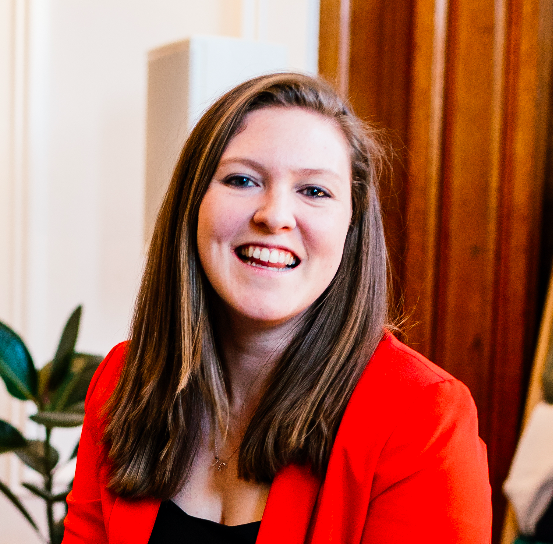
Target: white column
{"points": [[14, 38]]}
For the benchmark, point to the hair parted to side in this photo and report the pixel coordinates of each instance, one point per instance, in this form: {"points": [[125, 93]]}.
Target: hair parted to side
{"points": [[173, 373]]}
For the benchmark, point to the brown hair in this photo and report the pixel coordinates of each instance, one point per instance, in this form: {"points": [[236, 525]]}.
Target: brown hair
{"points": [[173, 372]]}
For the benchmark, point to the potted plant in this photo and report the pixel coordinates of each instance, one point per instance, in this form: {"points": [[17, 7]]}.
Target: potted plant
{"points": [[58, 391]]}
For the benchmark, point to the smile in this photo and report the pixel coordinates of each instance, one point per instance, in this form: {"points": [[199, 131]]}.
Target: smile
{"points": [[273, 259]]}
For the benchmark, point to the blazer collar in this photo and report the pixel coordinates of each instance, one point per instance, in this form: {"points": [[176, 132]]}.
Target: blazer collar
{"points": [[286, 517]]}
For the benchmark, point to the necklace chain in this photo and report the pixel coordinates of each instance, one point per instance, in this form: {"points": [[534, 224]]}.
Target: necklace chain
{"points": [[219, 464]]}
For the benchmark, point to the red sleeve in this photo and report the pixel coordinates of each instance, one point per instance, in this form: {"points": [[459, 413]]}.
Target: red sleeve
{"points": [[431, 483], [84, 522]]}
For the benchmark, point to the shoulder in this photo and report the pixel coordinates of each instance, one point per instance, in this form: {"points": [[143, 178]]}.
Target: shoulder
{"points": [[407, 415], [401, 389], [404, 365], [398, 374]]}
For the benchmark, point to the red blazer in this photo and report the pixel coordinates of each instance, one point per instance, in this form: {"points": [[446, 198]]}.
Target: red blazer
{"points": [[407, 467]]}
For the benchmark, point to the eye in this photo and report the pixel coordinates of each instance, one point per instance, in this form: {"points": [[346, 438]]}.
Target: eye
{"points": [[315, 192], [239, 180]]}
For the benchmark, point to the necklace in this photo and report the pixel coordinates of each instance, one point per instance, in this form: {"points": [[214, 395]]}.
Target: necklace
{"points": [[219, 464]]}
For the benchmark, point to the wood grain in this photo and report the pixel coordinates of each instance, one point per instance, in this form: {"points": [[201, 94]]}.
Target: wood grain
{"points": [[464, 85], [334, 39], [528, 108], [424, 167], [379, 75]]}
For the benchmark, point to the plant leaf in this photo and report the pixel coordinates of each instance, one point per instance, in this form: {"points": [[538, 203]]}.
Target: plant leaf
{"points": [[77, 408], [60, 497], [39, 492], [74, 388], [10, 438], [17, 503], [66, 347], [58, 419], [16, 365], [44, 394], [45, 494], [33, 455]]}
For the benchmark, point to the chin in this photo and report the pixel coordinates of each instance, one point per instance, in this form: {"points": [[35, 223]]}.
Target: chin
{"points": [[268, 318]]}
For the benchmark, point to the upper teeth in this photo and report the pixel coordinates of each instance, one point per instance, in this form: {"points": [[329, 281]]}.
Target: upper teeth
{"points": [[269, 255]]}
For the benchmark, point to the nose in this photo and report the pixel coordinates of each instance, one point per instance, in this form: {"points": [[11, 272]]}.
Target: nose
{"points": [[275, 212]]}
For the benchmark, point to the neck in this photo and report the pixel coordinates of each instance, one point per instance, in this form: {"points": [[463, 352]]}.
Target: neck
{"points": [[250, 351]]}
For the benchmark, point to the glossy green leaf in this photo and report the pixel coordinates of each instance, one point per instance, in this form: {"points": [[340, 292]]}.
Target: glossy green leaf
{"points": [[74, 388], [16, 365], [17, 503], [66, 348], [33, 455], [58, 419], [10, 438], [44, 393], [77, 408]]}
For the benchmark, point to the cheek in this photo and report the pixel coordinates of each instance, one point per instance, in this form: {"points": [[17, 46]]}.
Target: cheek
{"points": [[327, 239], [216, 221], [208, 235], [204, 228]]}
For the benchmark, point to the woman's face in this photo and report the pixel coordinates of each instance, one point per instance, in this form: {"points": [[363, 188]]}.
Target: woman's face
{"points": [[273, 222]]}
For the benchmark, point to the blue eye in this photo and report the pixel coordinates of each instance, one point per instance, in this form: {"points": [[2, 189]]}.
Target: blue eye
{"points": [[236, 180], [315, 192]]}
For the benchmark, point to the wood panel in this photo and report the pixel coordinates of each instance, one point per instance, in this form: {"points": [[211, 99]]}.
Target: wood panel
{"points": [[334, 33], [524, 135], [424, 167], [379, 74], [466, 85], [467, 243]]}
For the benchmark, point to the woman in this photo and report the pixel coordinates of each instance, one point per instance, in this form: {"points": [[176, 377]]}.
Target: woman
{"points": [[259, 383]]}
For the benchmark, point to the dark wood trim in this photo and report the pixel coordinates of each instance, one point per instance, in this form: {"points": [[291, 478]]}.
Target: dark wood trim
{"points": [[424, 167], [334, 40]]}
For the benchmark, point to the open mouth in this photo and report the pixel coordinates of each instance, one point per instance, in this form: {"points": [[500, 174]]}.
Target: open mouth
{"points": [[272, 259]]}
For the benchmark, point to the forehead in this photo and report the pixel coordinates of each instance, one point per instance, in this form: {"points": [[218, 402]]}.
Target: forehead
{"points": [[298, 132]]}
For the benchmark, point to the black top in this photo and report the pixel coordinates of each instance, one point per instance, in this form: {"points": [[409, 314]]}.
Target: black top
{"points": [[174, 526]]}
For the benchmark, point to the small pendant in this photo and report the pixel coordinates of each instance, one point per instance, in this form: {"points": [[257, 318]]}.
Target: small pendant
{"points": [[218, 464]]}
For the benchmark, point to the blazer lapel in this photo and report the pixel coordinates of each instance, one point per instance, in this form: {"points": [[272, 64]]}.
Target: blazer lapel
{"points": [[289, 506], [131, 522]]}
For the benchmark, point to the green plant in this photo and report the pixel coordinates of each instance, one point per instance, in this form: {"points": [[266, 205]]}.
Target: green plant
{"points": [[58, 390]]}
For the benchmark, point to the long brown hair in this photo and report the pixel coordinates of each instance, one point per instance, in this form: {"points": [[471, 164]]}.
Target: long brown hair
{"points": [[173, 372]]}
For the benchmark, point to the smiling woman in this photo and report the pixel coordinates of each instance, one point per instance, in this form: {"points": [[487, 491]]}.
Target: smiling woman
{"points": [[261, 396]]}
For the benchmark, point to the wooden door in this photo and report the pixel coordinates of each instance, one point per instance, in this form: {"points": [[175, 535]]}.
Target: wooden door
{"points": [[464, 87]]}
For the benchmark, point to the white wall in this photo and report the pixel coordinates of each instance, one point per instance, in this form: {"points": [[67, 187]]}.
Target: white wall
{"points": [[72, 141], [85, 146]]}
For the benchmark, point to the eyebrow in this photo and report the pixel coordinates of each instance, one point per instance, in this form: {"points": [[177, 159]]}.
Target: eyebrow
{"points": [[260, 168]]}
